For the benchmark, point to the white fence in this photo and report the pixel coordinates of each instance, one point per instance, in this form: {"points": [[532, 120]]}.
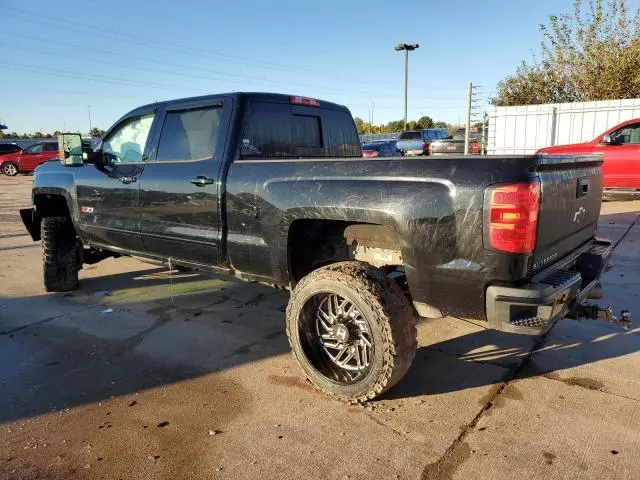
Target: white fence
{"points": [[522, 130]]}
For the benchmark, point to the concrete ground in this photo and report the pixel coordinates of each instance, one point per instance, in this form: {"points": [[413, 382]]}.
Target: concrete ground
{"points": [[143, 374]]}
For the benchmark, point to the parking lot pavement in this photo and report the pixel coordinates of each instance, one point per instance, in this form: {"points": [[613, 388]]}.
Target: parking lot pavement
{"points": [[146, 374]]}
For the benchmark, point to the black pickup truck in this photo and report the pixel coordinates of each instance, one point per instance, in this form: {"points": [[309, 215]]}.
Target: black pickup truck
{"points": [[273, 188]]}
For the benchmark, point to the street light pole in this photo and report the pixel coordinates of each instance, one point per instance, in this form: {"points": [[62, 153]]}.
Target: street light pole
{"points": [[407, 48]]}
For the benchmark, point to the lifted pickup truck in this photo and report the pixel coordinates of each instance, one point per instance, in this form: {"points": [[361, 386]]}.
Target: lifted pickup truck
{"points": [[273, 188]]}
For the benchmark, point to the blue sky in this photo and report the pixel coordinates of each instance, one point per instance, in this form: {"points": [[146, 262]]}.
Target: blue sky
{"points": [[116, 55]]}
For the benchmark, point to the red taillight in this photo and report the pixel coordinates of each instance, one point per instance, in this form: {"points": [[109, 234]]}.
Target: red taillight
{"points": [[309, 102], [430, 149], [369, 153], [424, 146], [513, 217]]}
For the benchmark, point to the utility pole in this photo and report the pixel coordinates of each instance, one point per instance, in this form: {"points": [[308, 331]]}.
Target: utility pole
{"points": [[407, 48], [90, 127], [467, 130], [372, 109]]}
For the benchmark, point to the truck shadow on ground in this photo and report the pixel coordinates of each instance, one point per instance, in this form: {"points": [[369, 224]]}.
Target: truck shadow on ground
{"points": [[485, 357], [157, 334]]}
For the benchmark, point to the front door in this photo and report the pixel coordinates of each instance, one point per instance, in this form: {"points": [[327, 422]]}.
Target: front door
{"points": [[108, 191], [179, 188], [621, 167]]}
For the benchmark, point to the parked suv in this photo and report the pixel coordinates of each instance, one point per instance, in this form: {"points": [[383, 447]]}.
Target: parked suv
{"points": [[416, 142], [27, 160]]}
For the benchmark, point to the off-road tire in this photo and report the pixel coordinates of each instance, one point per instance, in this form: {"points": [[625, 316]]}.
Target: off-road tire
{"points": [[388, 313], [59, 254], [9, 169]]}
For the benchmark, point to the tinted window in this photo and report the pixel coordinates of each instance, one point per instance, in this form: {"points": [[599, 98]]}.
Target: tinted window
{"points": [[372, 146], [50, 147], [430, 135], [189, 134], [276, 130], [34, 148], [126, 143], [626, 135], [5, 148], [340, 134], [410, 136]]}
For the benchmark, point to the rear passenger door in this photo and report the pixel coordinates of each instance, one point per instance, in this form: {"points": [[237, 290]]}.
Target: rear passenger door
{"points": [[180, 186]]}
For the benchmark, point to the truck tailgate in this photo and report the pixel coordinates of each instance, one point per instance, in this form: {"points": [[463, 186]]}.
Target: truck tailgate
{"points": [[571, 196]]}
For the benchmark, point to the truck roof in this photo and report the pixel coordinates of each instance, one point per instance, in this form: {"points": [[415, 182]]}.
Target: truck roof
{"points": [[243, 96]]}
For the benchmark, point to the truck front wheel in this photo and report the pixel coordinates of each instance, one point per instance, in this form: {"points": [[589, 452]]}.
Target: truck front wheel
{"points": [[352, 330], [59, 254]]}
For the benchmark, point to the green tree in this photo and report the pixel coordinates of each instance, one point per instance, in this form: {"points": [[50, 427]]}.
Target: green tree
{"points": [[590, 54], [425, 122], [440, 125], [96, 132], [395, 126], [38, 135]]}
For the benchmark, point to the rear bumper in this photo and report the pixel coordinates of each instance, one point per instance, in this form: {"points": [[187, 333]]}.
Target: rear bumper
{"points": [[533, 308]]}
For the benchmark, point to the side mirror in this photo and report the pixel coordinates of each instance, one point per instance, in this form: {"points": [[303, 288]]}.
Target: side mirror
{"points": [[70, 149], [606, 140]]}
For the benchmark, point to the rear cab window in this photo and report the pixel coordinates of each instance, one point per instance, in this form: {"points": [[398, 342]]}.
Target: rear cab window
{"points": [[285, 130], [189, 134], [410, 136]]}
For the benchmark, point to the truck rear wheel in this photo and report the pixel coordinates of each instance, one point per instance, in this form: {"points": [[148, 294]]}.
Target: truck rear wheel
{"points": [[59, 254], [352, 330]]}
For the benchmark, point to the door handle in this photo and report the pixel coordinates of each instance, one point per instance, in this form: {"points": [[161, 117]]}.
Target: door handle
{"points": [[128, 179], [201, 181]]}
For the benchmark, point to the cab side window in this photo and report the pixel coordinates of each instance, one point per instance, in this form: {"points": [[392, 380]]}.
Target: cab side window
{"points": [[50, 147], [189, 134], [126, 144], [629, 135]]}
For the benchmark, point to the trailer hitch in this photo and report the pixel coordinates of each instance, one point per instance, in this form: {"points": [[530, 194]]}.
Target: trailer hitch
{"points": [[596, 312]]}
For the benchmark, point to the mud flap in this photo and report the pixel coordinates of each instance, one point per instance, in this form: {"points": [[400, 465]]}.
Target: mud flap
{"points": [[31, 221]]}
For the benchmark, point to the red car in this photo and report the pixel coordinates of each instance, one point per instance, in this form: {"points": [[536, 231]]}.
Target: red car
{"points": [[620, 146], [28, 159]]}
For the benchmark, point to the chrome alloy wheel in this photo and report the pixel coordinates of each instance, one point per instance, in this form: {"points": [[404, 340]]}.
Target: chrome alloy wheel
{"points": [[345, 337]]}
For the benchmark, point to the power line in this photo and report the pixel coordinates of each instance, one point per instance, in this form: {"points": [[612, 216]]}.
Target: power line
{"points": [[112, 34], [189, 75], [154, 43]]}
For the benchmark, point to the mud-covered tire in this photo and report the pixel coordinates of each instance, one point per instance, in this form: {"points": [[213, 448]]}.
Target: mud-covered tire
{"points": [[9, 169], [387, 311], [59, 254]]}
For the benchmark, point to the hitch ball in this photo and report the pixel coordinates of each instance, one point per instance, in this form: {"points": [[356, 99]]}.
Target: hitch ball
{"points": [[625, 319]]}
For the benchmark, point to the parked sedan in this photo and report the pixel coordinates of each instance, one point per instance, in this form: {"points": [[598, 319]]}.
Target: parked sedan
{"points": [[378, 149], [620, 146], [455, 145], [391, 142], [6, 148], [28, 159]]}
